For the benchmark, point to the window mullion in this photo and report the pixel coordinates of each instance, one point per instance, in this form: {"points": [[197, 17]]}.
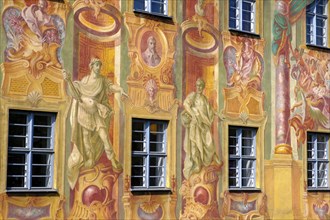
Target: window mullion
{"points": [[148, 154], [30, 141], [240, 11], [240, 156]]}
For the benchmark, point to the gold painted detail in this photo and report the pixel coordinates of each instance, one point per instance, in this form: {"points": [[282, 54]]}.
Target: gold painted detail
{"points": [[244, 103], [149, 207], [199, 192], [31, 207], [244, 206], [19, 85], [283, 149], [93, 194], [34, 98], [50, 88]]}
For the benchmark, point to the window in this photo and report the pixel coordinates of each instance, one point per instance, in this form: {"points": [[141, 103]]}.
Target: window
{"points": [[317, 161], [30, 150], [148, 154], [152, 6], [242, 15], [242, 157], [317, 23]]}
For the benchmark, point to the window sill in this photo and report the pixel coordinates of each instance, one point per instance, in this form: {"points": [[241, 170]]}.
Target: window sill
{"points": [[241, 32], [152, 14], [143, 191], [319, 190], [31, 191], [238, 190], [317, 47]]}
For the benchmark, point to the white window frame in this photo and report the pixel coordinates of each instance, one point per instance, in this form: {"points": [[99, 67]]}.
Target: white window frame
{"points": [[313, 161], [148, 8], [29, 151], [146, 154], [312, 39], [239, 15], [239, 157]]}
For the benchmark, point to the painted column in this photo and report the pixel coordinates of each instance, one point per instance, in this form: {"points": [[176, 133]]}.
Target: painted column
{"points": [[281, 47], [282, 104]]}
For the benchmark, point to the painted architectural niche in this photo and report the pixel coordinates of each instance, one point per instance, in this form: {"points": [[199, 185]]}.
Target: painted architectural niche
{"points": [[152, 97], [201, 163], [93, 166]]}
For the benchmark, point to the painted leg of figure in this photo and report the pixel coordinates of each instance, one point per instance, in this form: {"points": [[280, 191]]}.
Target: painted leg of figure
{"points": [[108, 149], [88, 149]]}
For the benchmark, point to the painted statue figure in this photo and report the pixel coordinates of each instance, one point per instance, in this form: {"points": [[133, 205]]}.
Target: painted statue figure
{"points": [[150, 55], [198, 144], [90, 115]]}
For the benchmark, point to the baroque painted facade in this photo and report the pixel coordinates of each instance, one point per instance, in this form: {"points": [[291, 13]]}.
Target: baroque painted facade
{"points": [[113, 111]]}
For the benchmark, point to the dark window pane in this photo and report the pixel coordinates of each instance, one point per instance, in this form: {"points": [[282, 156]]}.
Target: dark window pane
{"points": [[156, 181], [138, 171], [138, 136], [233, 164], [156, 137], [233, 182], [42, 131], [247, 133], [138, 161], [247, 151], [40, 170], [41, 143], [157, 7], [157, 161], [17, 130], [40, 181], [157, 147], [16, 158], [233, 172], [157, 171], [247, 142], [138, 125], [137, 181], [15, 182], [139, 5], [17, 142], [41, 159], [42, 120], [15, 118], [16, 170], [138, 146], [233, 151]]}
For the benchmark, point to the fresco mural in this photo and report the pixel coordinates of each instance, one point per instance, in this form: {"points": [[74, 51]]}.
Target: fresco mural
{"points": [[311, 107], [111, 64]]}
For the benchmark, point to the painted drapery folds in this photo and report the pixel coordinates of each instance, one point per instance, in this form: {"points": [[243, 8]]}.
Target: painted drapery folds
{"points": [[90, 117], [198, 144]]}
